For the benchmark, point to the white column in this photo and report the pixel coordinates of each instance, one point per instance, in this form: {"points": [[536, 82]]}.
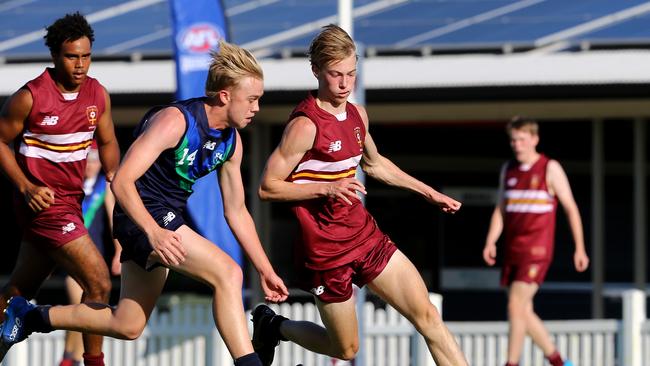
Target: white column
{"points": [[346, 19], [633, 317]]}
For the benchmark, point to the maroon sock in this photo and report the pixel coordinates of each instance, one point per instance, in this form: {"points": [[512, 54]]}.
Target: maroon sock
{"points": [[555, 359], [94, 360], [512, 364]]}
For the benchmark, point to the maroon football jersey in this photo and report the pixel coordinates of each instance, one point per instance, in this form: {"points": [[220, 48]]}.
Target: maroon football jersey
{"points": [[58, 133], [529, 222], [334, 233]]}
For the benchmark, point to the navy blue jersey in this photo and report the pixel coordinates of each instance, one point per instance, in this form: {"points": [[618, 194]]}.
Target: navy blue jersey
{"points": [[202, 149]]}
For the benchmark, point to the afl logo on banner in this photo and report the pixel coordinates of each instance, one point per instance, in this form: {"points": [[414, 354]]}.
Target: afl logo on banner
{"points": [[199, 38]]}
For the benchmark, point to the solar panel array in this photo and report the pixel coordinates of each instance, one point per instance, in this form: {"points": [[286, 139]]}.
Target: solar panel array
{"points": [[124, 27]]}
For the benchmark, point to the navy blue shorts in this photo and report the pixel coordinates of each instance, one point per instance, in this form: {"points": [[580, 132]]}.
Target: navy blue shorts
{"points": [[135, 245]]}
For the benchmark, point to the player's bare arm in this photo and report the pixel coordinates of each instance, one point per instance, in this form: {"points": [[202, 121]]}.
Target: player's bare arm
{"points": [[559, 185], [109, 150], [12, 121], [109, 205], [496, 224], [298, 138], [385, 171], [163, 132], [109, 154], [242, 225]]}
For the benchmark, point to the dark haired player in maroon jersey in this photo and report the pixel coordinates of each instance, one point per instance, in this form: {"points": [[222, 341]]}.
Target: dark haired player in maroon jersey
{"points": [[313, 168], [530, 187], [52, 121]]}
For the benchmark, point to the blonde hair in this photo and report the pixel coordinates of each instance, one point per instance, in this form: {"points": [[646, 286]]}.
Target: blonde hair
{"points": [[229, 65], [523, 124], [330, 45]]}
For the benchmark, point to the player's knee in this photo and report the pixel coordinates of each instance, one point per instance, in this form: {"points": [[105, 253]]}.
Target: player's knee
{"points": [[516, 307], [233, 274], [428, 318], [347, 352], [130, 330], [227, 274], [99, 290]]}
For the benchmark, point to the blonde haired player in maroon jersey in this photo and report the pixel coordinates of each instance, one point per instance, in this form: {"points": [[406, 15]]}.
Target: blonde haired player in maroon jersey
{"points": [[52, 121], [530, 187], [313, 168]]}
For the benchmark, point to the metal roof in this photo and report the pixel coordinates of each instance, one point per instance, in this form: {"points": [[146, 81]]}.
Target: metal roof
{"points": [[269, 26]]}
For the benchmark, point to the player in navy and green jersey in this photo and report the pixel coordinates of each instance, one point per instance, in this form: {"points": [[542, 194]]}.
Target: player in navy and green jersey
{"points": [[167, 185], [175, 146]]}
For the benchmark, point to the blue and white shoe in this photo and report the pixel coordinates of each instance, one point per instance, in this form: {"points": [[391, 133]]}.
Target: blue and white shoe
{"points": [[568, 363], [13, 329]]}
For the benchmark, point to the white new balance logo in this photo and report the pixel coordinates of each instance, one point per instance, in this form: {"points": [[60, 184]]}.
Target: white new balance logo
{"points": [[334, 146], [50, 120], [68, 228], [318, 290], [210, 145], [14, 330], [168, 218]]}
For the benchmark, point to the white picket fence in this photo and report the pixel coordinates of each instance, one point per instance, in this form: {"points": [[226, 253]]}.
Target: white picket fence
{"points": [[584, 342], [183, 333]]}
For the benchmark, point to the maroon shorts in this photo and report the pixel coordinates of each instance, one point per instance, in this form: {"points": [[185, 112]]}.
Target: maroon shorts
{"points": [[335, 285], [53, 227], [529, 272]]}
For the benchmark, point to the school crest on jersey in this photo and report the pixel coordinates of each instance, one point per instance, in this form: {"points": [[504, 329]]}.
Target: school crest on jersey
{"points": [[91, 113], [357, 134]]}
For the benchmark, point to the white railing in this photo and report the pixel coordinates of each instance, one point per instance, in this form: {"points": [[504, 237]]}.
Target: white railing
{"points": [[645, 343], [584, 342], [182, 333]]}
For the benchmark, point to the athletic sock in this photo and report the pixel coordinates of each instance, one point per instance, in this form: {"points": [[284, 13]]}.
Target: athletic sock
{"points": [[555, 359], [68, 360], [512, 364], [251, 359], [276, 321], [38, 320], [96, 360]]}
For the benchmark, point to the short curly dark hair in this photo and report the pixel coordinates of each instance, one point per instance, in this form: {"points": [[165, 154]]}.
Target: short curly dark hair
{"points": [[71, 27]]}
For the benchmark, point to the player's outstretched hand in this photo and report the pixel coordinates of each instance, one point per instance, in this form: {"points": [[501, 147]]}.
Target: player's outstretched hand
{"points": [[581, 261], [490, 254], [274, 289], [168, 246], [446, 203], [345, 189], [39, 198]]}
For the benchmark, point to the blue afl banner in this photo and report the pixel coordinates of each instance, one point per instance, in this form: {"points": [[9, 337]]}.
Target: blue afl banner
{"points": [[198, 27]]}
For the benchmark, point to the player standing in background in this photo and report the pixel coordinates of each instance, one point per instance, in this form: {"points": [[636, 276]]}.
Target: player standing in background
{"points": [[313, 168], [530, 187], [52, 121]]}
